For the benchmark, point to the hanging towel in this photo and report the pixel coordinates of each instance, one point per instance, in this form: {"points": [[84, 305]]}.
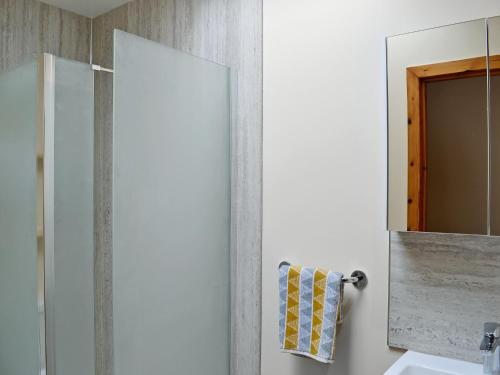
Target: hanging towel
{"points": [[310, 308]]}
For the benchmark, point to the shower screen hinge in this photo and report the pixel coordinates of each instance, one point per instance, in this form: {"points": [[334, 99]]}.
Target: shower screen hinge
{"points": [[99, 68]]}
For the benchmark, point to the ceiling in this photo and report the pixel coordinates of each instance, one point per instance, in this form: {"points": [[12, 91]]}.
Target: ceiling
{"points": [[88, 8]]}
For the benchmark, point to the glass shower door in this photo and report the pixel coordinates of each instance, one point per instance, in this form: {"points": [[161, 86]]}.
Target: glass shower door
{"points": [[46, 219], [171, 211], [21, 309], [73, 260]]}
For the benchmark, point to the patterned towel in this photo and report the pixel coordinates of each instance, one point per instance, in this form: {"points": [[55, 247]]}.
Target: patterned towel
{"points": [[310, 308]]}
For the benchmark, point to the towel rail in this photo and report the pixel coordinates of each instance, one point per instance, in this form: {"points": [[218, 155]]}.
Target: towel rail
{"points": [[357, 278]]}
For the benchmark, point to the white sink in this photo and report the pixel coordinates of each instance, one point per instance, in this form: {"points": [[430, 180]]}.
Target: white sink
{"points": [[413, 363]]}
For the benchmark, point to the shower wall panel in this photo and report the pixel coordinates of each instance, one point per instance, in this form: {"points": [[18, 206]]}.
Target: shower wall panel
{"points": [[171, 211], [30, 27]]}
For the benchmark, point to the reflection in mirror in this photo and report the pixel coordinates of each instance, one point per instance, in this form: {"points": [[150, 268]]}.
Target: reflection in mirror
{"points": [[494, 62], [438, 134], [456, 188]]}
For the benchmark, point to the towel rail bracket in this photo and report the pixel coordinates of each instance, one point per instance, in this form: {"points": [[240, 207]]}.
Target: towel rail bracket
{"points": [[358, 279]]}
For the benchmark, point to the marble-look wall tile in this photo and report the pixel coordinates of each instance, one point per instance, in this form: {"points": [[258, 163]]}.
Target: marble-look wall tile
{"points": [[28, 27], [103, 188], [228, 32], [443, 287]]}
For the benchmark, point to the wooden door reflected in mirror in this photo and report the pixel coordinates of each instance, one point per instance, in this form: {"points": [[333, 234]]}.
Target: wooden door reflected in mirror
{"points": [[448, 146], [437, 87]]}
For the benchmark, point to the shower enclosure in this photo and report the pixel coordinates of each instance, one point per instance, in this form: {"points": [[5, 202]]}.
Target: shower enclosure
{"points": [[171, 214], [46, 218]]}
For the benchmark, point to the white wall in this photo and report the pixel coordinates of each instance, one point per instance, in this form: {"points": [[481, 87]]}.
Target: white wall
{"points": [[325, 158]]}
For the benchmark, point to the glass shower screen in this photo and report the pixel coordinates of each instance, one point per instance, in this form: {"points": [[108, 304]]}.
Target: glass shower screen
{"points": [[20, 306], [171, 211], [46, 218]]}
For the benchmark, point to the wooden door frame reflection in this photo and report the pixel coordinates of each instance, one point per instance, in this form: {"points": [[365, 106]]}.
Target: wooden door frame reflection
{"points": [[417, 78]]}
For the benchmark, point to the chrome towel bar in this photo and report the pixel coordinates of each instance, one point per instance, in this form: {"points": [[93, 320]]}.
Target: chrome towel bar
{"points": [[358, 278]]}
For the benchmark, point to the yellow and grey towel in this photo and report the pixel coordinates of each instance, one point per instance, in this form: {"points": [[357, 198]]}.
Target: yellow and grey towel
{"points": [[310, 308]]}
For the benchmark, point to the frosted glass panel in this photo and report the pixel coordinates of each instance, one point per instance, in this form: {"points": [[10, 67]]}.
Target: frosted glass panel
{"points": [[171, 213], [19, 320], [73, 218]]}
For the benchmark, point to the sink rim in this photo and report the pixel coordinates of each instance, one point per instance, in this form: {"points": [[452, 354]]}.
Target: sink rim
{"points": [[431, 362]]}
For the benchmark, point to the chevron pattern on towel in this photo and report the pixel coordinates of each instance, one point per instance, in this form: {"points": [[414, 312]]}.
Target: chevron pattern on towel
{"points": [[292, 308], [310, 301]]}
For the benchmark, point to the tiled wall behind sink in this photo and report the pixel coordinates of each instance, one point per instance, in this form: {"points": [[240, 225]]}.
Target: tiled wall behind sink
{"points": [[443, 287]]}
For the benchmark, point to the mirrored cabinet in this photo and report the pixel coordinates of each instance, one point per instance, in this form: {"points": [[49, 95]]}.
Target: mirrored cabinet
{"points": [[444, 129], [494, 105]]}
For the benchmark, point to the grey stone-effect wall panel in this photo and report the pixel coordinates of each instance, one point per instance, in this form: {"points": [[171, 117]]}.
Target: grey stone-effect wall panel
{"points": [[28, 27], [443, 287]]}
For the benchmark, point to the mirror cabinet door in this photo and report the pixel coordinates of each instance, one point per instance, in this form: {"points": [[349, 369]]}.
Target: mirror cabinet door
{"points": [[438, 130], [494, 106]]}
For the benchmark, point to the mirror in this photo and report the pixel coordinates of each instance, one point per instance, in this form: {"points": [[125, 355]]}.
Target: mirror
{"points": [[438, 130], [494, 63]]}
